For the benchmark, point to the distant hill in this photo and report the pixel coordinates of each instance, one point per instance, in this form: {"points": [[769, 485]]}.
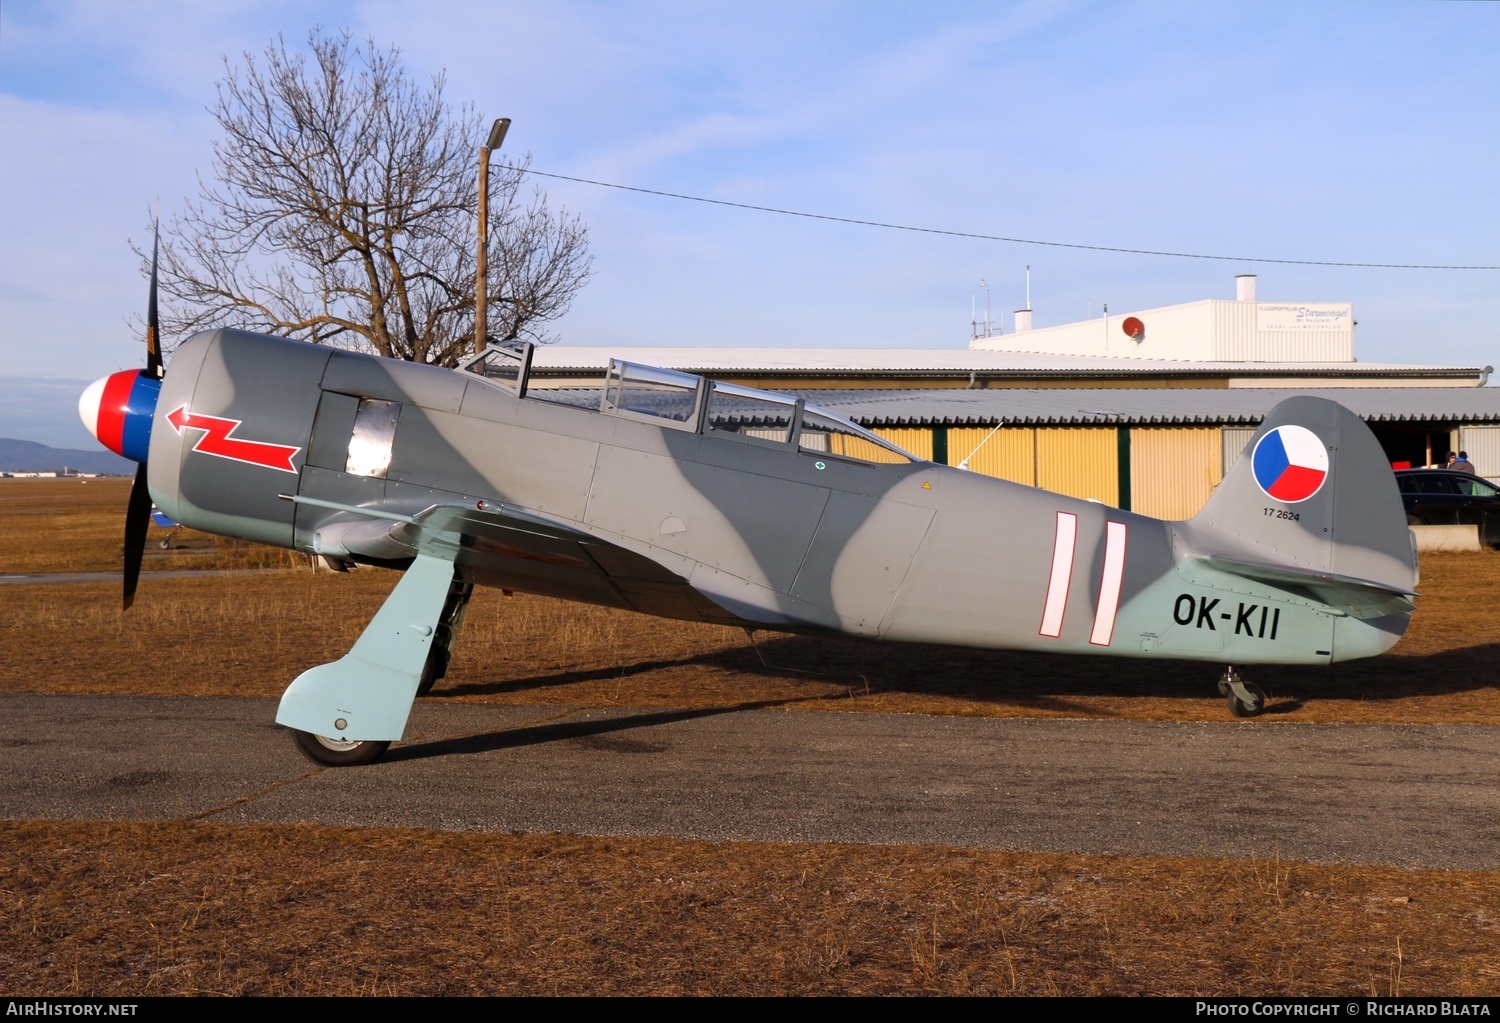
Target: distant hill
{"points": [[28, 456]]}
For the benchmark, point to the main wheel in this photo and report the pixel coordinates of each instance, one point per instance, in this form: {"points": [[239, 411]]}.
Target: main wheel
{"points": [[436, 665], [1240, 709], [320, 749]]}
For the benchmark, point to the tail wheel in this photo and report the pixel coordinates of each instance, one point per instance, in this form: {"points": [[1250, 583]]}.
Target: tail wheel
{"points": [[1251, 708], [320, 749]]}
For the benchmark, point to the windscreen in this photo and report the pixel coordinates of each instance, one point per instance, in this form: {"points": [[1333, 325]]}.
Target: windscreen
{"points": [[825, 432]]}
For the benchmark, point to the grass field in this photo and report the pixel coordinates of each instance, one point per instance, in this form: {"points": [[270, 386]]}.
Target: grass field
{"points": [[77, 525], [196, 907], [181, 908]]}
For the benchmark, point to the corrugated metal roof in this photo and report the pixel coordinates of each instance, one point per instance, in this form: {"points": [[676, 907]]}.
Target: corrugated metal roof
{"points": [[866, 361], [1147, 406]]}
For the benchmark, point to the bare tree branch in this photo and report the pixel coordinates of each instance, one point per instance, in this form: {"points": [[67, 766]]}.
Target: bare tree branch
{"points": [[342, 210]]}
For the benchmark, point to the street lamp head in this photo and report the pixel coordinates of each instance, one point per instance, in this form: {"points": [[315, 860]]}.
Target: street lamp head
{"points": [[497, 133], [481, 278]]}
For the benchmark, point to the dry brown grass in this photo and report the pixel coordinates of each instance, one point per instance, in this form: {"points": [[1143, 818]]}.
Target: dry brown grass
{"points": [[174, 908], [78, 525]]}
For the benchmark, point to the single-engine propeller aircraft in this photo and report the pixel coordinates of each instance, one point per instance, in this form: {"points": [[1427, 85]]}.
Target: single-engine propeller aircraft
{"points": [[690, 498]]}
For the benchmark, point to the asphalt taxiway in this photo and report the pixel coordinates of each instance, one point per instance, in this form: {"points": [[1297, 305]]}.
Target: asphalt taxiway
{"points": [[1401, 795]]}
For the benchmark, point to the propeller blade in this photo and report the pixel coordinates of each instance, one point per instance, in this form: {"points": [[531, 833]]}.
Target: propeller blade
{"points": [[153, 323], [138, 511], [137, 518]]}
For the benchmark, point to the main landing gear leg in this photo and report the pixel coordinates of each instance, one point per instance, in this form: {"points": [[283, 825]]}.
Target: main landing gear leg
{"points": [[350, 711], [1245, 700], [450, 623]]}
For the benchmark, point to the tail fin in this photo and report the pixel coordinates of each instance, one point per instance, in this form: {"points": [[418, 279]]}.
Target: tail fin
{"points": [[1313, 499]]}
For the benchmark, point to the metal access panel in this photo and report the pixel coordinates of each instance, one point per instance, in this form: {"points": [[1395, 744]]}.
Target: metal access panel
{"points": [[859, 558], [750, 526], [374, 433], [332, 428]]}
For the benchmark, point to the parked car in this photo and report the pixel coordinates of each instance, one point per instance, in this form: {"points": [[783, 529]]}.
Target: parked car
{"points": [[1442, 497]]}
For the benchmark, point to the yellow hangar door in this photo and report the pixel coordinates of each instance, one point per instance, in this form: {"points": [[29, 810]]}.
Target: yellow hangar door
{"points": [[1173, 470], [1008, 453], [1080, 462]]}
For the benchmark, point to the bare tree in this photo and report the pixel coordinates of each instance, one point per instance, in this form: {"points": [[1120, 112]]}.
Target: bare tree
{"points": [[343, 210]]}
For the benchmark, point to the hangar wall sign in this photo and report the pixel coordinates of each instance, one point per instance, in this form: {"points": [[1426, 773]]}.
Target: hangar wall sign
{"points": [[1303, 316]]}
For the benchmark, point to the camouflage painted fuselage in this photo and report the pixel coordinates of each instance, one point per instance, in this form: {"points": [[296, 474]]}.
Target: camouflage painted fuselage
{"points": [[688, 522]]}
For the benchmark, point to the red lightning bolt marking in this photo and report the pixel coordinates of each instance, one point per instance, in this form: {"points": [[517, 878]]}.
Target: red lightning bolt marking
{"points": [[216, 440]]}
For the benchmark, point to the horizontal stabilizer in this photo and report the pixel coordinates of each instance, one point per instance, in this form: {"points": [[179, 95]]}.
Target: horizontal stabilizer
{"points": [[1359, 598]]}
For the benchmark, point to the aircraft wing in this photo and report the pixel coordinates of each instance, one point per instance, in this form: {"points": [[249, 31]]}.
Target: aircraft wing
{"points": [[1358, 598], [513, 549]]}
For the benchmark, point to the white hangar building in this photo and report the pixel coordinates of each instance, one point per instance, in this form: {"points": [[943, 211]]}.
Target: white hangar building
{"points": [[1244, 330]]}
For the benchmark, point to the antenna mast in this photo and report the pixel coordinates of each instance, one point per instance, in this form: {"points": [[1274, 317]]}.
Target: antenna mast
{"points": [[988, 328]]}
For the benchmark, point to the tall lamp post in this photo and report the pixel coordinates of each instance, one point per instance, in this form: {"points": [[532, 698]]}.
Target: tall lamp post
{"points": [[481, 268]]}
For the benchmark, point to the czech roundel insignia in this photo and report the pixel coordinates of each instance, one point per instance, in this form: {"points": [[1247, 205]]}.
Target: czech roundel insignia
{"points": [[1290, 464]]}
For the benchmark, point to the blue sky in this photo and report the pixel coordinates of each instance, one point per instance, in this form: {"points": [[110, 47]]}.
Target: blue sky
{"points": [[1362, 132]]}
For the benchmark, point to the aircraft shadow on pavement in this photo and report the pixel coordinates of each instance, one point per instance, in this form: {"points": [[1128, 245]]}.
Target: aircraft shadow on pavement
{"points": [[598, 733], [1034, 680]]}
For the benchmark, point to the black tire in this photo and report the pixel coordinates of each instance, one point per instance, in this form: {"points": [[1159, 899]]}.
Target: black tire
{"points": [[1241, 709], [335, 753], [436, 665], [1412, 520]]}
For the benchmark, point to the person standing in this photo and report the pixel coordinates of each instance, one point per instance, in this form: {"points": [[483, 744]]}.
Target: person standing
{"points": [[1462, 463]]}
